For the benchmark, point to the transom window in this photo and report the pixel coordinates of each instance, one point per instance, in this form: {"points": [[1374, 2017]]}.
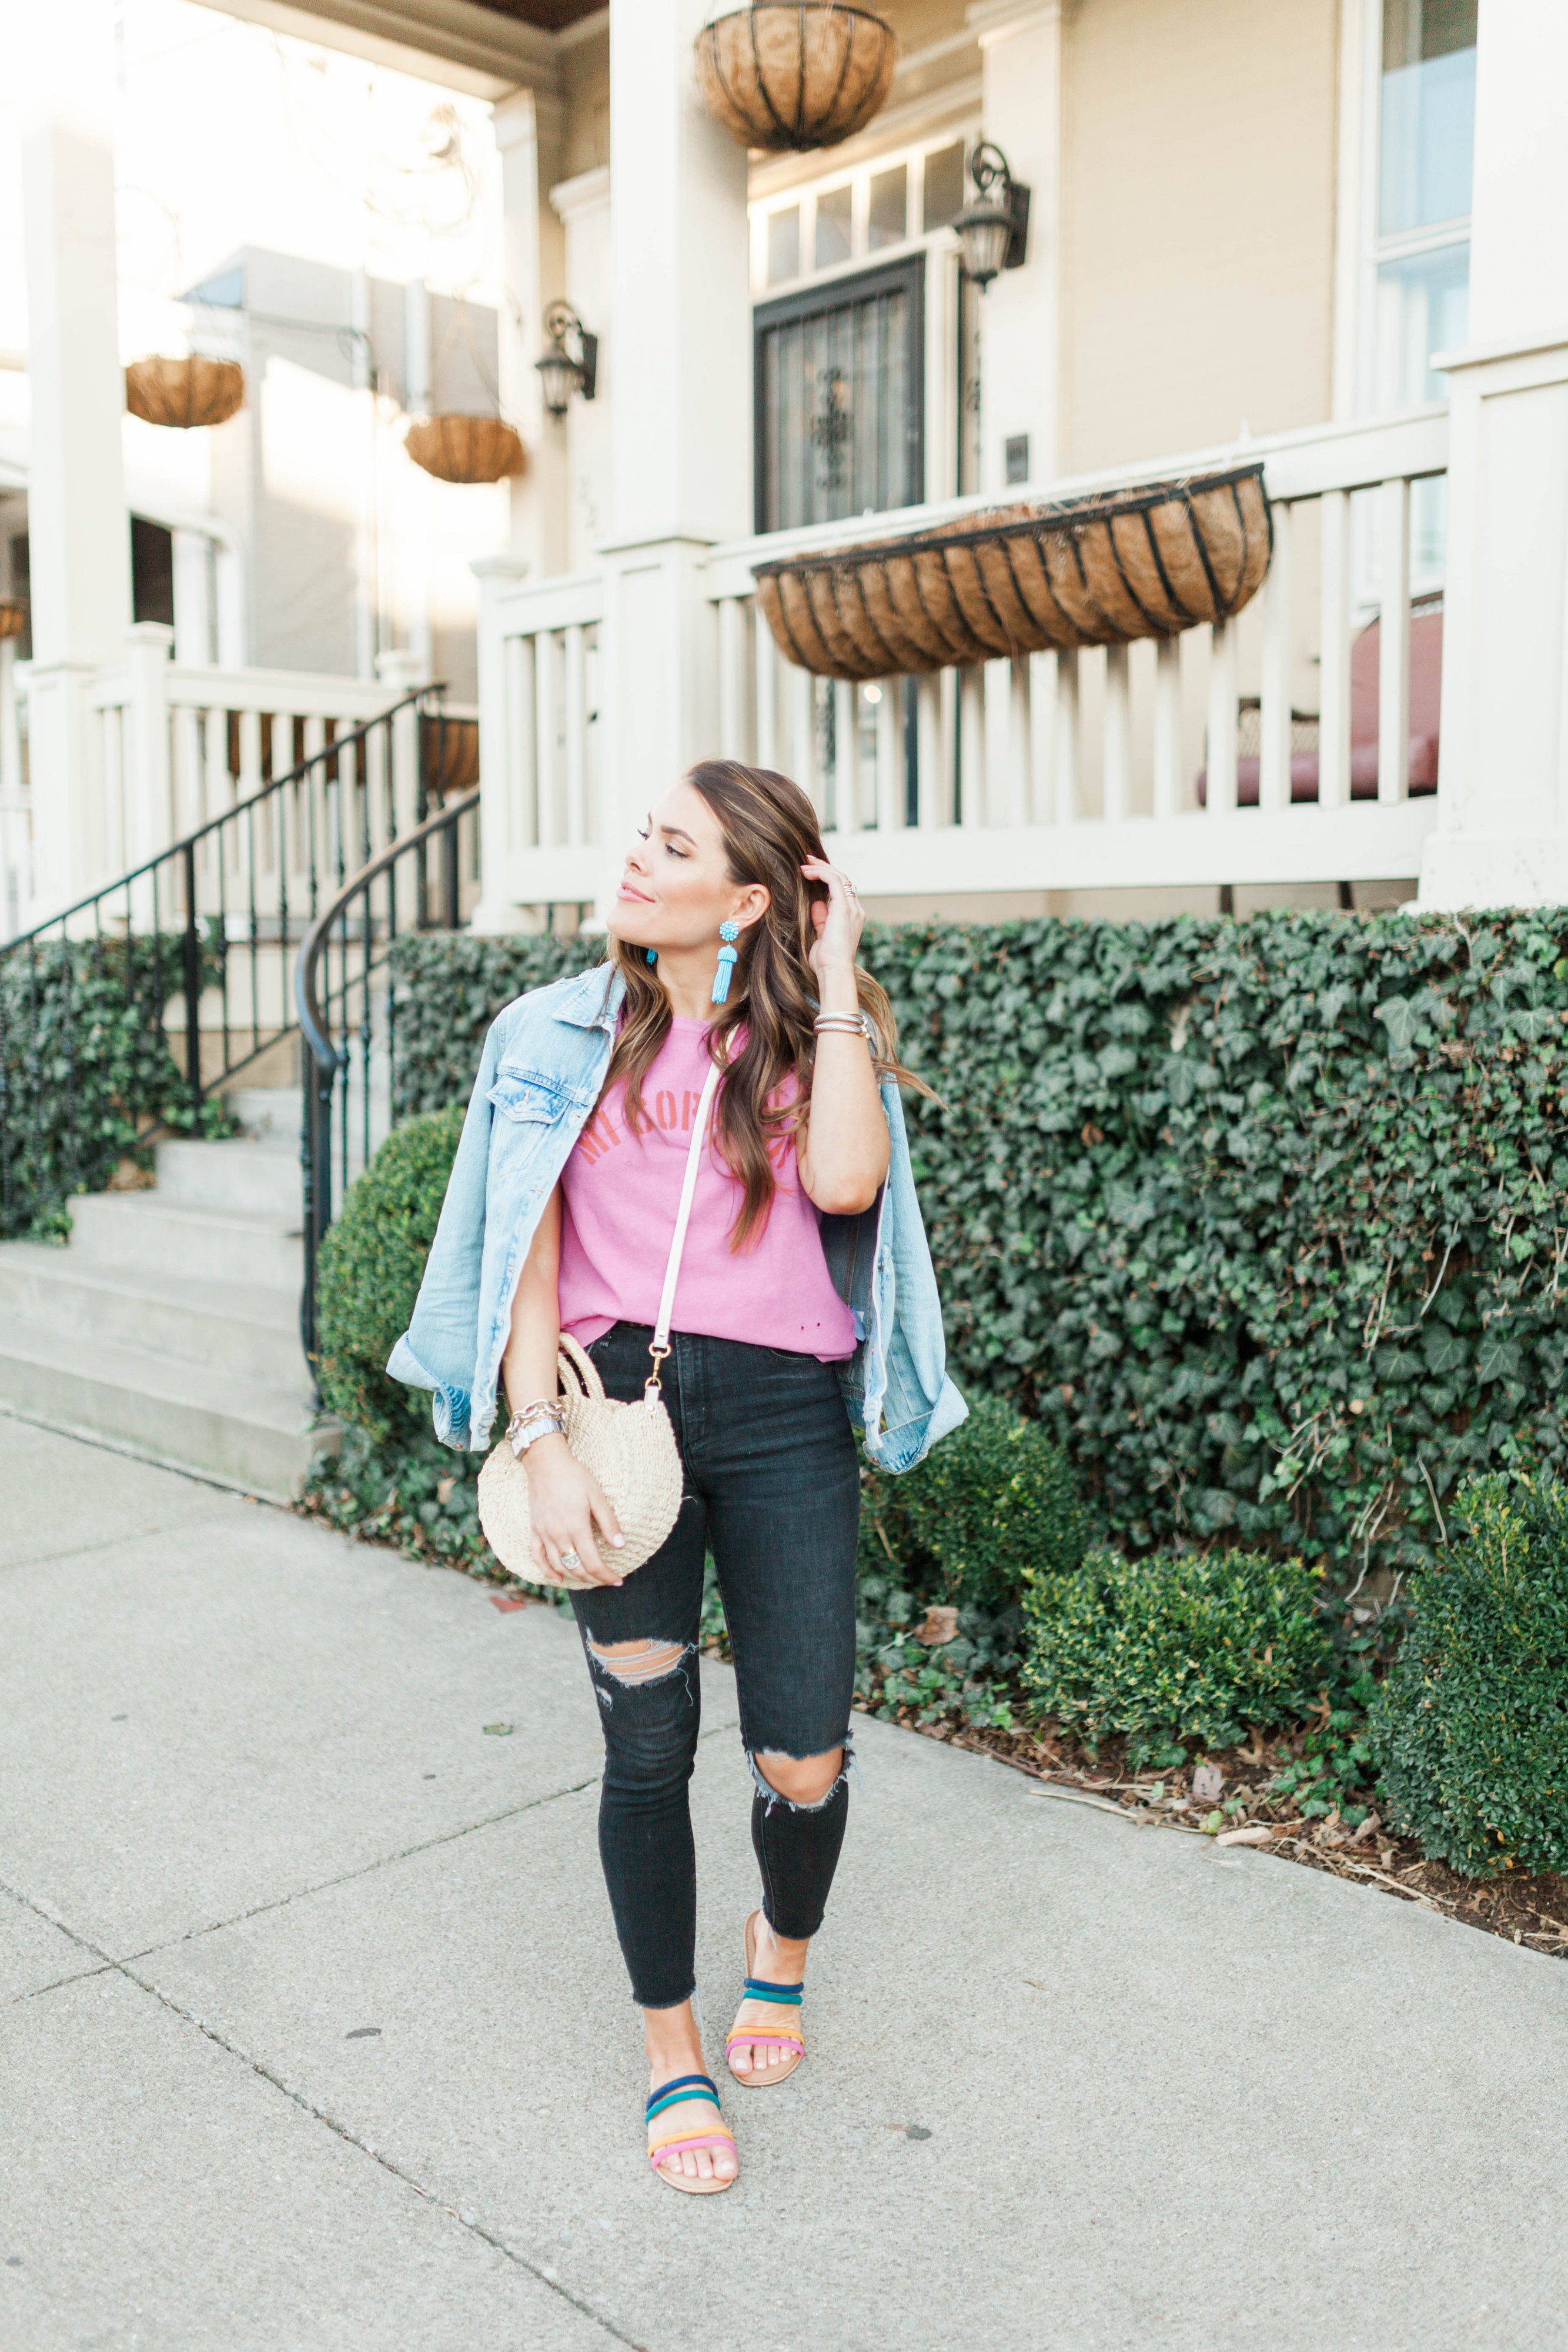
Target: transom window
{"points": [[850, 216]]}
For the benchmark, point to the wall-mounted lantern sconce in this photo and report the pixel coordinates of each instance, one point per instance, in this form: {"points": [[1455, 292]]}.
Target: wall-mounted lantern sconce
{"points": [[994, 229], [560, 372]]}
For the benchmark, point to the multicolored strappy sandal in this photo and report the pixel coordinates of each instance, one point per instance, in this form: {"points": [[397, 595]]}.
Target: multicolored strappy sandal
{"points": [[758, 1993], [686, 2089]]}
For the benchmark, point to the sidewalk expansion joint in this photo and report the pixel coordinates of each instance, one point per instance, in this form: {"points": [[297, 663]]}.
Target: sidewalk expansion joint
{"points": [[470, 2224], [382, 1862]]}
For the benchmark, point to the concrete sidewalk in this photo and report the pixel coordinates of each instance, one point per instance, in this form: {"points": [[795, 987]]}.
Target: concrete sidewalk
{"points": [[313, 2033]]}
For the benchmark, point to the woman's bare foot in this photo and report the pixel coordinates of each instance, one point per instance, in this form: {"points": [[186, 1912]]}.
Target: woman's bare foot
{"points": [[674, 2049], [775, 1959]]}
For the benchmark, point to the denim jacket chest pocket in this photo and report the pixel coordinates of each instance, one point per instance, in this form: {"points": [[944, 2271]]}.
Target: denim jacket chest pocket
{"points": [[530, 1099]]}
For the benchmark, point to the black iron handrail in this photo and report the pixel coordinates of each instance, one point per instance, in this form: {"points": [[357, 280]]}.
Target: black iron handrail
{"points": [[328, 1011], [85, 1065]]}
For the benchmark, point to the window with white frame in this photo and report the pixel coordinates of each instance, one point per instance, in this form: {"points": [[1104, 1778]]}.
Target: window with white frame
{"points": [[847, 324], [1421, 236], [1421, 69]]}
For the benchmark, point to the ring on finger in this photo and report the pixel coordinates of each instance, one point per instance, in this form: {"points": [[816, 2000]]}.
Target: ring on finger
{"points": [[571, 1560]]}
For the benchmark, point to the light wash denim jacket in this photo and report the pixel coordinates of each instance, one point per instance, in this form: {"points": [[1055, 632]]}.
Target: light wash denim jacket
{"points": [[543, 1065]]}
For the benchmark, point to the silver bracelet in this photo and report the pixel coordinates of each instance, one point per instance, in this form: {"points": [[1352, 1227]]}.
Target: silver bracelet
{"points": [[843, 1024], [521, 1433]]}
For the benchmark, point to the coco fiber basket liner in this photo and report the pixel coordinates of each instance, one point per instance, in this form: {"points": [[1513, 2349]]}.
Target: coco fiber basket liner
{"points": [[1100, 571]]}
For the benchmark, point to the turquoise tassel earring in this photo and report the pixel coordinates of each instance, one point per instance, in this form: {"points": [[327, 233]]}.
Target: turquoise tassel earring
{"points": [[653, 955], [727, 961]]}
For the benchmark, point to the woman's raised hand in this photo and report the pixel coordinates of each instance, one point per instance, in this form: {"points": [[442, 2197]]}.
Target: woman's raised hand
{"points": [[566, 1503], [839, 921]]}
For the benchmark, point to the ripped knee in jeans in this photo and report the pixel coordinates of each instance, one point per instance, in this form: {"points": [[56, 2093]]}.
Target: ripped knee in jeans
{"points": [[632, 1663], [804, 1783]]}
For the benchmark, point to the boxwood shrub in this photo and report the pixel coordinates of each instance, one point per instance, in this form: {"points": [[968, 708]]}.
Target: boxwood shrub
{"points": [[1200, 1647], [995, 1500], [1471, 1726], [1261, 1220], [371, 1266]]}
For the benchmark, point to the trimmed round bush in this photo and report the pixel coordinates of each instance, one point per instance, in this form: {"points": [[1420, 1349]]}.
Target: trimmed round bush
{"points": [[995, 1504], [371, 1267], [1201, 1646], [1471, 1726]]}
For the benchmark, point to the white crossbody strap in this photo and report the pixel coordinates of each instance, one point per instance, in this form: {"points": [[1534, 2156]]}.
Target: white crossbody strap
{"points": [[688, 1189]]}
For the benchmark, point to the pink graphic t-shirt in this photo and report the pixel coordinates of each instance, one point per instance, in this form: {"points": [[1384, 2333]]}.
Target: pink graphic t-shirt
{"points": [[621, 1192]]}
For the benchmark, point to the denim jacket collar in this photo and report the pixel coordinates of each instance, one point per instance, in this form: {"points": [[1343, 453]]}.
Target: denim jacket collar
{"points": [[591, 999]]}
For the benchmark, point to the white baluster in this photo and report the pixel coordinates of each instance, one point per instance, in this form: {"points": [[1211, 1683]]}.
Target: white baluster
{"points": [[889, 764], [766, 693], [544, 736], [1393, 643], [1334, 677], [947, 685], [1167, 726], [803, 734], [189, 799], [1116, 801], [576, 740], [929, 734], [1042, 738], [1065, 749], [846, 758], [522, 747], [731, 679], [1274, 714], [1018, 742], [1222, 719], [971, 694]]}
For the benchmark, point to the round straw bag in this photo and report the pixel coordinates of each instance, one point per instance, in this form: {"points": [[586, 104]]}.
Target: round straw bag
{"points": [[628, 1448]]}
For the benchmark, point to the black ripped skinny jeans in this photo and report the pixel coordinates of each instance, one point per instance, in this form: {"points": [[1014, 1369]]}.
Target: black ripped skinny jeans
{"points": [[772, 1486]]}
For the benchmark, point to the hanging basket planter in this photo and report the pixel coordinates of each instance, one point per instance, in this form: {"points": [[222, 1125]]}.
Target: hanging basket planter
{"points": [[465, 448], [795, 74], [13, 616], [184, 393], [1100, 571]]}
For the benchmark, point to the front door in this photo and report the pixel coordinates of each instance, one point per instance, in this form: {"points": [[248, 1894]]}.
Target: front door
{"points": [[839, 378]]}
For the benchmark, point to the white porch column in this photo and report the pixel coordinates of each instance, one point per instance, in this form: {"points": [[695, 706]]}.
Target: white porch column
{"points": [[681, 425], [527, 132], [1021, 51], [1503, 783], [79, 532]]}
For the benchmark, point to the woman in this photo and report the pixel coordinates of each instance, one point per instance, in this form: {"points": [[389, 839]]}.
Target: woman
{"points": [[805, 1284]]}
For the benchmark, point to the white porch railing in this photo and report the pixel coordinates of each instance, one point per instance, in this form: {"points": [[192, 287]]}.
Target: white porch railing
{"points": [[1099, 769], [171, 746]]}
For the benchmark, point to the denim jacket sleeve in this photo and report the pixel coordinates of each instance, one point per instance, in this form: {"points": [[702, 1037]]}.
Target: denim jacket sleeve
{"points": [[437, 1350]]}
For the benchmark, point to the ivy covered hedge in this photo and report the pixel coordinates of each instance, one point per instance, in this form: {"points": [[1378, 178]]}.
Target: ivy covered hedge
{"points": [[1267, 1222], [85, 1067]]}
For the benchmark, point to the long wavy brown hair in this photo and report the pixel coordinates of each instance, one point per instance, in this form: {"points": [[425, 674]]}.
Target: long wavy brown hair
{"points": [[769, 830]]}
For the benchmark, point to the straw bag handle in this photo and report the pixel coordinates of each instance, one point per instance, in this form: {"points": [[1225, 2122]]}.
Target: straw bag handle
{"points": [[660, 1346], [574, 1362]]}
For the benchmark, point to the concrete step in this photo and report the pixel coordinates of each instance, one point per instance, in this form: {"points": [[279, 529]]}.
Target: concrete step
{"points": [[142, 1232], [270, 1115], [257, 1178], [236, 1327], [246, 1433]]}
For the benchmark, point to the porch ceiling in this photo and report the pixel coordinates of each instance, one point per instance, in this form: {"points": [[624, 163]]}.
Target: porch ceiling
{"points": [[485, 47], [552, 15]]}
